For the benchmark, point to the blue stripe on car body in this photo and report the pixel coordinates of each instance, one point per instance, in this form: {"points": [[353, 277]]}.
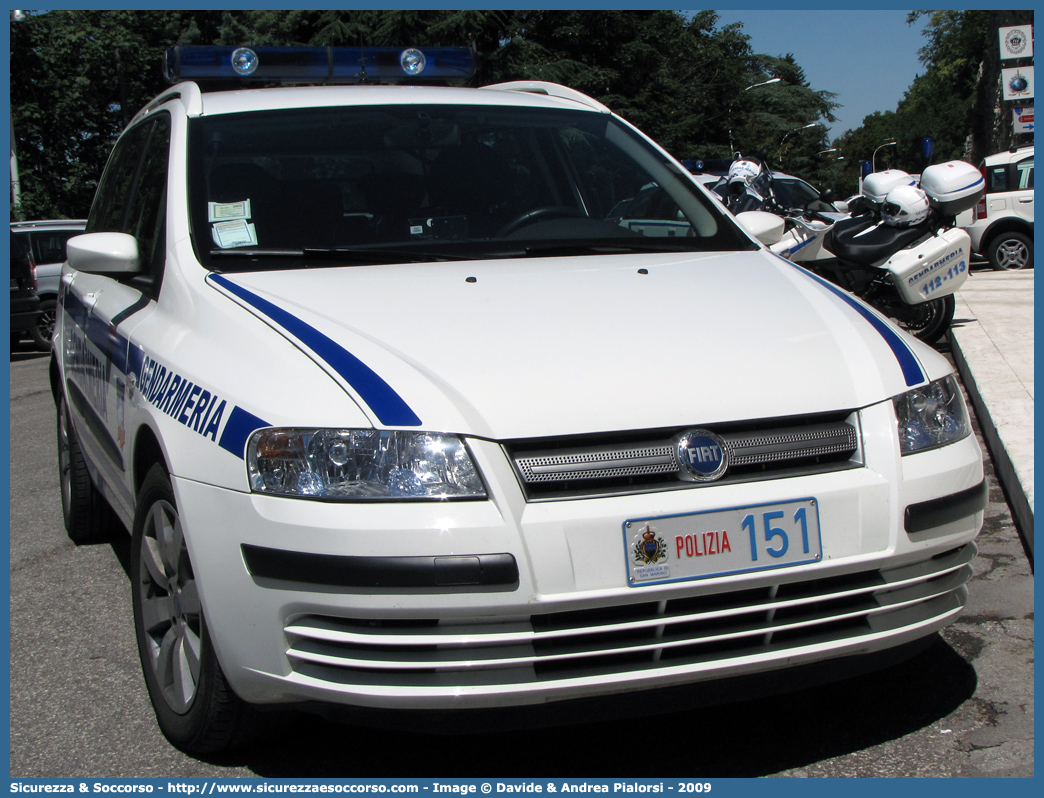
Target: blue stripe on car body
{"points": [[390, 408], [911, 367], [238, 428], [130, 359]]}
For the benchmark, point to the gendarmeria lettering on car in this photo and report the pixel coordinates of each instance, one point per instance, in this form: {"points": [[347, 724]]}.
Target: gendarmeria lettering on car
{"points": [[181, 399], [81, 360]]}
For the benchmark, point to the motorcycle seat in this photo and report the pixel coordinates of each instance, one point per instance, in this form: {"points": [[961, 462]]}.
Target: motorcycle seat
{"points": [[876, 244], [846, 228]]}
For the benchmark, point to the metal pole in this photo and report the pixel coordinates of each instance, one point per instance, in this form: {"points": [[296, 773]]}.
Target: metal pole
{"points": [[754, 86], [16, 186], [795, 130], [873, 158]]}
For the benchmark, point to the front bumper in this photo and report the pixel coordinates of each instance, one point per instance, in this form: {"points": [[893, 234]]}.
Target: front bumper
{"points": [[506, 603]]}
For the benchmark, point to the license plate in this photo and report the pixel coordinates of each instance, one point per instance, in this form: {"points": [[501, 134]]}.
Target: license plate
{"points": [[719, 542]]}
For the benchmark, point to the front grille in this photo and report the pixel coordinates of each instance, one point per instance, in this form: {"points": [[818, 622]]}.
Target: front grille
{"points": [[582, 467], [630, 638]]}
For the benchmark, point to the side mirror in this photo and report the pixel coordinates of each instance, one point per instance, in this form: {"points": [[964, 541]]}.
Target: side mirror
{"points": [[827, 195], [766, 227], [104, 253]]}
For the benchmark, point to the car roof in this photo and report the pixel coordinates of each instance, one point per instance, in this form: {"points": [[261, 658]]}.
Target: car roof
{"points": [[1009, 155], [529, 94]]}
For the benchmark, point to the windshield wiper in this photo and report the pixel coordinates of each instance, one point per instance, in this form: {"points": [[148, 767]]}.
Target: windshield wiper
{"points": [[338, 255], [551, 249]]}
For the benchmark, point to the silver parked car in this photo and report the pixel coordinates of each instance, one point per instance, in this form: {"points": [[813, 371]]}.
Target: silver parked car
{"points": [[47, 240]]}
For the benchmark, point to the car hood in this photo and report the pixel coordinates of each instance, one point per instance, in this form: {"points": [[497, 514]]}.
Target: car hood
{"points": [[559, 346]]}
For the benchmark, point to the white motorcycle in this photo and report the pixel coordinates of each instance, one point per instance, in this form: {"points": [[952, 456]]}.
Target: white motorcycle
{"points": [[902, 253]]}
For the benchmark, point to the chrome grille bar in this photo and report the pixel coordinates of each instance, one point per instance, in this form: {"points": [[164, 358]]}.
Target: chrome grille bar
{"points": [[630, 638], [642, 458], [786, 444], [598, 463]]}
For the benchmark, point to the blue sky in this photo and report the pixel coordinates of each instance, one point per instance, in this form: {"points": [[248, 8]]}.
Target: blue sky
{"points": [[867, 58]]}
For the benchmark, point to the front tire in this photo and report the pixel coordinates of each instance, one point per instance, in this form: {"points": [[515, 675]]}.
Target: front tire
{"points": [[87, 515], [196, 708], [44, 327], [1010, 251]]}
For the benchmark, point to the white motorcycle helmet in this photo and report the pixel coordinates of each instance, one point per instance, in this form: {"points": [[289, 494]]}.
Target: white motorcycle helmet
{"points": [[905, 206], [741, 173]]}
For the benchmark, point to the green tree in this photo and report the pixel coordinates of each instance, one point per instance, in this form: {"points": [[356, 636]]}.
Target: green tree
{"points": [[956, 101], [77, 77], [860, 144], [940, 103], [780, 125]]}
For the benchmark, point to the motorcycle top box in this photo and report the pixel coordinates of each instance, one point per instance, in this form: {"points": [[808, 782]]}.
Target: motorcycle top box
{"points": [[952, 187], [877, 184]]}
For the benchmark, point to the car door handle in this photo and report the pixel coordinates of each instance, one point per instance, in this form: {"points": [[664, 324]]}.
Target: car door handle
{"points": [[1026, 200]]}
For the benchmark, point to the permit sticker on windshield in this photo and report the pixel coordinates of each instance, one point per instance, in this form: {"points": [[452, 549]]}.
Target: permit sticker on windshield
{"points": [[225, 211], [237, 233]]}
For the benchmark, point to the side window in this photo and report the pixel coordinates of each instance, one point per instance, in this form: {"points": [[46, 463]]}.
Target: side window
{"points": [[1024, 174], [49, 246], [146, 217], [118, 181], [996, 179], [20, 245], [132, 195], [602, 177]]}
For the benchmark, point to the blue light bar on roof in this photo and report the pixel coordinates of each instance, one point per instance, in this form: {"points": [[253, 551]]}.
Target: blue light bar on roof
{"points": [[318, 64]]}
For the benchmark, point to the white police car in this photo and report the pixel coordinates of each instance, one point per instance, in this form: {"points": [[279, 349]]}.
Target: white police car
{"points": [[402, 418]]}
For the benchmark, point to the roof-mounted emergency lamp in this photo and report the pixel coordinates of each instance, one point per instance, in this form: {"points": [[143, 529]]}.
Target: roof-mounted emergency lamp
{"points": [[318, 64]]}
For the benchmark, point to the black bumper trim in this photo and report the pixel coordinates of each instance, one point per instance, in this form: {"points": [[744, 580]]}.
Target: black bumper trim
{"points": [[458, 571], [946, 509]]}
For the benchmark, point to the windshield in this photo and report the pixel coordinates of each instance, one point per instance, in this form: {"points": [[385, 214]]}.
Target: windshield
{"points": [[791, 193], [379, 184]]}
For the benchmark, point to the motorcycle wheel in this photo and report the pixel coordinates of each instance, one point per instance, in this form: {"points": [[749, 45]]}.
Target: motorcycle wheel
{"points": [[927, 321]]}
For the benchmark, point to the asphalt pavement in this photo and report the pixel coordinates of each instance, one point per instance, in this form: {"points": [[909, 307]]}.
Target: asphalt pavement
{"points": [[992, 344]]}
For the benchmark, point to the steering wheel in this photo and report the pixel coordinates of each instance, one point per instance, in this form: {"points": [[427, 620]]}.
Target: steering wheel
{"points": [[537, 215]]}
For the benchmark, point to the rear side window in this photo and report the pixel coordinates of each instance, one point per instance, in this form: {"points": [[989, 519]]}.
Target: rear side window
{"points": [[19, 245], [49, 245], [1010, 177], [996, 179], [1024, 174]]}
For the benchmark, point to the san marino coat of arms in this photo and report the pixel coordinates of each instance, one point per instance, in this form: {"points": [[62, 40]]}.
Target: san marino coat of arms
{"points": [[649, 548]]}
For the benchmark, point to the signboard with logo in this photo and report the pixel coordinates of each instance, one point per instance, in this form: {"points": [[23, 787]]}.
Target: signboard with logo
{"points": [[1016, 42], [1022, 120], [1018, 83]]}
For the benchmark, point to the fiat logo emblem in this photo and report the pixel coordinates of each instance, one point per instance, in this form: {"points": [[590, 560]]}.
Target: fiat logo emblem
{"points": [[702, 456]]}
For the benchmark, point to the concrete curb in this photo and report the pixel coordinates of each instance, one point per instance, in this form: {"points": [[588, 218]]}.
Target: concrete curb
{"points": [[996, 382]]}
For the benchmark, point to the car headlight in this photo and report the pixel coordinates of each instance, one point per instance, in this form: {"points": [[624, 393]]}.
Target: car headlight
{"points": [[931, 416], [361, 464]]}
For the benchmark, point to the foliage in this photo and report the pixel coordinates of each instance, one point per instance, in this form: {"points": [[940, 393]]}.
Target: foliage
{"points": [[956, 102], [77, 77]]}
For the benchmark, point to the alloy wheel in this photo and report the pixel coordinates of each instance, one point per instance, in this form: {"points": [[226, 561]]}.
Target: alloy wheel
{"points": [[1012, 253], [170, 608]]}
